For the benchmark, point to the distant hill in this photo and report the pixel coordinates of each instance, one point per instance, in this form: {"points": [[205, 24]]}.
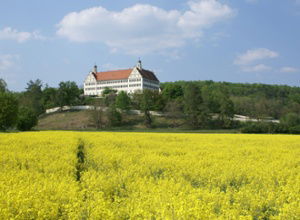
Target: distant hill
{"points": [[254, 100]]}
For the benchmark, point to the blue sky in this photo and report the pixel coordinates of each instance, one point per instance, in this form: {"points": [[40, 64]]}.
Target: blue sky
{"points": [[237, 41]]}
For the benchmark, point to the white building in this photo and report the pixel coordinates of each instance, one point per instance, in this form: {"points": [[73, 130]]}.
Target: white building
{"points": [[129, 80]]}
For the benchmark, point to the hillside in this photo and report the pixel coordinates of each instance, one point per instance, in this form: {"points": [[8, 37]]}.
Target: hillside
{"points": [[65, 121], [81, 120]]}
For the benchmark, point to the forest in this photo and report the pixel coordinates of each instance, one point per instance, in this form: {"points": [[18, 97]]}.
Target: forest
{"points": [[200, 104]]}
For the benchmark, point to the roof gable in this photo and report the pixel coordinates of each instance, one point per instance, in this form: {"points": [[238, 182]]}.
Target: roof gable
{"points": [[91, 77], [148, 74]]}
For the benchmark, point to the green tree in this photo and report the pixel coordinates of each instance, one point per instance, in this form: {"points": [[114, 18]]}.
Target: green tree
{"points": [[50, 97], [154, 102], [146, 102], [159, 102], [226, 113], [110, 96], [107, 91], [114, 117], [123, 101], [8, 111], [244, 105], [97, 114], [27, 119], [211, 97], [148, 119], [195, 111], [172, 91], [295, 97], [33, 97], [68, 93], [3, 86], [290, 119], [292, 107], [261, 108], [174, 110]]}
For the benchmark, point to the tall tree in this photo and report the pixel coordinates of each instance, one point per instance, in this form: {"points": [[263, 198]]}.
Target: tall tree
{"points": [[226, 113], [3, 85], [110, 96], [123, 101], [114, 117], [174, 110], [33, 97], [146, 102], [50, 97], [8, 110], [209, 97], [159, 102], [150, 98], [136, 98], [261, 108], [195, 111], [97, 113], [68, 93]]}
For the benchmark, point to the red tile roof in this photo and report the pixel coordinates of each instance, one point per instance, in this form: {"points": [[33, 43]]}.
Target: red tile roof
{"points": [[123, 74], [113, 75]]}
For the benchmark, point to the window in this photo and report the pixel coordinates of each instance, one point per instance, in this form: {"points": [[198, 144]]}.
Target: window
{"points": [[134, 80]]}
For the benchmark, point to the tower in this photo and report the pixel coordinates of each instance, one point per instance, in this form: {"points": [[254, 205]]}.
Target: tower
{"points": [[139, 64], [95, 69]]}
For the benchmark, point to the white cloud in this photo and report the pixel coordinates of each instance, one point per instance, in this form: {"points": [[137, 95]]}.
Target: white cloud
{"points": [[288, 69], [9, 33], [7, 61], [256, 68], [143, 28], [247, 60], [251, 56]]}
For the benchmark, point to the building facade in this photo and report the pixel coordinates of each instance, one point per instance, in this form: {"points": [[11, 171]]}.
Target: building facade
{"points": [[128, 80]]}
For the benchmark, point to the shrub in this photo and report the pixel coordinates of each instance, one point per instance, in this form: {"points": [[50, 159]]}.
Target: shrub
{"points": [[295, 129], [290, 119], [26, 119], [263, 127]]}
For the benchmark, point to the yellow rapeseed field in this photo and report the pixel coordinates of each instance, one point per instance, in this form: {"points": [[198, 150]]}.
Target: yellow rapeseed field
{"points": [[105, 175]]}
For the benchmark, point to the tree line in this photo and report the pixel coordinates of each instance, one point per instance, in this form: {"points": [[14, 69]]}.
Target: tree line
{"points": [[200, 104], [22, 109], [258, 101]]}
